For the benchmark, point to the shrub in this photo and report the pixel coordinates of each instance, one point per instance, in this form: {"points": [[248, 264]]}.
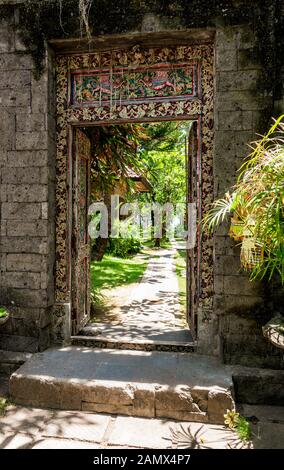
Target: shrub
{"points": [[256, 207], [123, 247]]}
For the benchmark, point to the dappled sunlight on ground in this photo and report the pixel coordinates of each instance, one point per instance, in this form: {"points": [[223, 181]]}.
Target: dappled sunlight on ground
{"points": [[149, 310]]}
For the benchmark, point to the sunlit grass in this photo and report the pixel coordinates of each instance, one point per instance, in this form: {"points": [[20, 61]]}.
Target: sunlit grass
{"points": [[180, 266], [112, 272]]}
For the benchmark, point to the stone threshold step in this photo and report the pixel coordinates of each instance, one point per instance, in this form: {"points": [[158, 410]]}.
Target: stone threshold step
{"points": [[100, 341], [11, 361], [153, 384]]}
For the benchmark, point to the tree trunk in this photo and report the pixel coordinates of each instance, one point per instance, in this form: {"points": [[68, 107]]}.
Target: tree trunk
{"points": [[100, 246]]}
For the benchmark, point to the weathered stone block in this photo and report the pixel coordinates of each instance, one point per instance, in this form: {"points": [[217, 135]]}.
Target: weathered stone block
{"points": [[16, 99], [248, 59], [47, 392], [45, 175], [44, 210], [245, 37], [226, 59], [219, 401], [259, 387], [21, 175], [45, 317], [24, 262], [24, 245], [40, 94], [23, 297], [20, 159], [108, 394], [21, 280], [200, 397], [27, 122], [29, 229], [27, 193], [18, 343], [223, 303], [16, 79], [233, 285], [225, 246], [237, 81], [44, 338], [21, 211], [226, 38], [227, 265], [3, 193], [19, 45], [31, 140], [6, 39], [242, 141], [3, 262], [243, 100], [108, 408], [7, 129], [44, 280], [218, 284], [235, 120], [144, 402], [175, 399], [16, 61]]}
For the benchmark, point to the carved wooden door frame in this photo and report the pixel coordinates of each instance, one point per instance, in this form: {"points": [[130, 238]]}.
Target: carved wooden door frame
{"points": [[73, 112]]}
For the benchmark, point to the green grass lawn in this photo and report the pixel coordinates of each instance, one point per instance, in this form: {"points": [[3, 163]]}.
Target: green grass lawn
{"points": [[113, 272], [180, 261]]}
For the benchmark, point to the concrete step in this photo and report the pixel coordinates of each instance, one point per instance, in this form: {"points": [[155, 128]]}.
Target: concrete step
{"points": [[100, 341], [180, 386], [11, 361]]}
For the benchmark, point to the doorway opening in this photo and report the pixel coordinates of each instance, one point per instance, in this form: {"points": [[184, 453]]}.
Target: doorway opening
{"points": [[146, 83], [134, 235]]}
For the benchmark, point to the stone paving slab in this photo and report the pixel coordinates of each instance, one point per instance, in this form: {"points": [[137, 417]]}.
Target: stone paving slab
{"points": [[150, 433], [272, 414], [24, 420], [158, 434], [125, 432], [15, 441], [64, 444], [77, 425], [268, 435]]}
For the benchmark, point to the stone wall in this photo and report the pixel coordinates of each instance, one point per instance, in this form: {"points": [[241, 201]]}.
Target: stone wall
{"points": [[241, 104], [27, 134]]}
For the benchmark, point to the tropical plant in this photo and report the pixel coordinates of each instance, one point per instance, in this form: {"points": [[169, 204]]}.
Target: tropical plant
{"points": [[239, 424], [163, 155], [256, 207], [114, 152], [3, 312], [123, 247]]}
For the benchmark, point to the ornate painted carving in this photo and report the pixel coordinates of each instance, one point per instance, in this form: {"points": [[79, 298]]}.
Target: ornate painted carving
{"points": [[126, 85]]}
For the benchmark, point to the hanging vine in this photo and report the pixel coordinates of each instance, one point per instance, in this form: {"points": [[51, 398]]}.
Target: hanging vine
{"points": [[84, 12]]}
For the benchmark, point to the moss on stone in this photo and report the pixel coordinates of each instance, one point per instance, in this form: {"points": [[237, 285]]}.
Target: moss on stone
{"points": [[42, 20]]}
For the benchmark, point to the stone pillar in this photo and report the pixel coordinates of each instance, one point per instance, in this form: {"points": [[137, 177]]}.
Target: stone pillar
{"points": [[239, 106], [27, 135]]}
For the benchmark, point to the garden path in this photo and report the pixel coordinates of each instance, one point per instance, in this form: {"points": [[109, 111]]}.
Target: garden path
{"points": [[149, 311]]}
